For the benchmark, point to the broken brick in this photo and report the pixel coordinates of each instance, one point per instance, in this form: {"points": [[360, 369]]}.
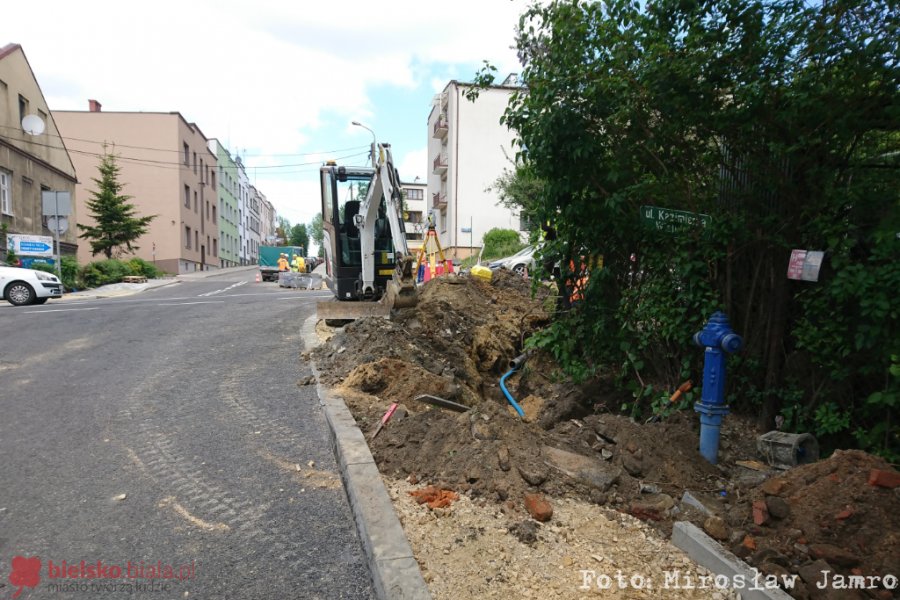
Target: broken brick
{"points": [[833, 555], [538, 507], [760, 512], [884, 478], [844, 514], [773, 487], [749, 543], [434, 497]]}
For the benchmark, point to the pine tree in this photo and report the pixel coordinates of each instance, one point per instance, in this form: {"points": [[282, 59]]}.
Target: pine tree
{"points": [[116, 223]]}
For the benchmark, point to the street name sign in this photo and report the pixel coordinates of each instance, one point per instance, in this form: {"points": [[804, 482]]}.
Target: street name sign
{"points": [[667, 219]]}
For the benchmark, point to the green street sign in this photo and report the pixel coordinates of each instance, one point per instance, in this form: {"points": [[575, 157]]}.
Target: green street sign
{"points": [[666, 219]]}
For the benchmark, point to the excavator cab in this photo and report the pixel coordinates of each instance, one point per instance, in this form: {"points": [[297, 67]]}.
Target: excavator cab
{"points": [[344, 190]]}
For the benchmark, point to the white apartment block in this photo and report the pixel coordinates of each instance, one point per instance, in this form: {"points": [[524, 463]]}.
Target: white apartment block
{"points": [[267, 222], [469, 149], [253, 227], [243, 202], [415, 215]]}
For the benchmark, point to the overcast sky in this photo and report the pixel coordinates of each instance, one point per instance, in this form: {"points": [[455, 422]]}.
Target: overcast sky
{"points": [[278, 82]]}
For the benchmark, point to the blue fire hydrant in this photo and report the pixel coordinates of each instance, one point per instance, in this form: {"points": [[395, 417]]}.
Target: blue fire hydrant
{"points": [[718, 338]]}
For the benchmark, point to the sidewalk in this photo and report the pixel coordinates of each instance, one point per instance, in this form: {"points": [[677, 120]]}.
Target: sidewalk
{"points": [[115, 290]]}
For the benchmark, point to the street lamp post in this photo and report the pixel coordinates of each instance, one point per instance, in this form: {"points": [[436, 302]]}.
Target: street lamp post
{"points": [[372, 153]]}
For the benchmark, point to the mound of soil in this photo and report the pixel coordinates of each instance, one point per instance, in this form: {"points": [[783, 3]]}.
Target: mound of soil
{"points": [[457, 343], [825, 515]]}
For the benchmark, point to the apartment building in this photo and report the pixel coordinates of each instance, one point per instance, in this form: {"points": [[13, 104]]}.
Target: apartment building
{"points": [[468, 149], [243, 203], [166, 167], [253, 227], [267, 216], [228, 192], [415, 213], [30, 162]]}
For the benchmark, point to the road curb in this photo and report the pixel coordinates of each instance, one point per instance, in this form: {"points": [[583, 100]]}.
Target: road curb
{"points": [[395, 572], [710, 554]]}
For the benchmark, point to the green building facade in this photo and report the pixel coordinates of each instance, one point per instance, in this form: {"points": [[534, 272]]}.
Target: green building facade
{"points": [[229, 216]]}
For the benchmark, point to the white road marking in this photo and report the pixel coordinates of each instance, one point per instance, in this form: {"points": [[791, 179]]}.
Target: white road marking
{"points": [[58, 310], [230, 287], [186, 303]]}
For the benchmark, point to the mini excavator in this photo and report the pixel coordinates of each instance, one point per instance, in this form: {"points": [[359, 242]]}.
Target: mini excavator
{"points": [[368, 265]]}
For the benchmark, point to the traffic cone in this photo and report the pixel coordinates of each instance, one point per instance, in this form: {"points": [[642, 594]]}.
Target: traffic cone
{"points": [[257, 278]]}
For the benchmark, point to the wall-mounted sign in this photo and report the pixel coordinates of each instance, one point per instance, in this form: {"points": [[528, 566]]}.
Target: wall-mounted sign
{"points": [[30, 245], [804, 265]]}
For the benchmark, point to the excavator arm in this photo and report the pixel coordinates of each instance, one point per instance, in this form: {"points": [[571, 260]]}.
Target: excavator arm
{"points": [[385, 185], [381, 276]]}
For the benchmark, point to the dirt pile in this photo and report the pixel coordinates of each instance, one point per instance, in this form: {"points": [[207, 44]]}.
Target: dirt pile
{"points": [[824, 516], [463, 329], [457, 343]]}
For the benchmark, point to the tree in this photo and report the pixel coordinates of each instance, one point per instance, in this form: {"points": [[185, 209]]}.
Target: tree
{"points": [[778, 120], [316, 233], [501, 242], [116, 224], [520, 189], [299, 237], [282, 228]]}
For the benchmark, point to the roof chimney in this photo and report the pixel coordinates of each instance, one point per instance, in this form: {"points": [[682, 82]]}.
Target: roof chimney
{"points": [[94, 106]]}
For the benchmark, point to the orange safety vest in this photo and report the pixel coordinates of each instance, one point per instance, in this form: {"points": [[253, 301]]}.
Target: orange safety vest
{"points": [[578, 285], [283, 264]]}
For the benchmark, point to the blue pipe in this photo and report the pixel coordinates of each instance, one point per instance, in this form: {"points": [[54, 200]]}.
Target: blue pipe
{"points": [[514, 364], [509, 397], [710, 424]]}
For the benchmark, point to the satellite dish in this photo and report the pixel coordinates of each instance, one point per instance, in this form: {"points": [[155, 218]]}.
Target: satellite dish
{"points": [[33, 125]]}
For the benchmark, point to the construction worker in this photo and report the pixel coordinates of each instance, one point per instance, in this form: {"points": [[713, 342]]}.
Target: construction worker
{"points": [[283, 264], [299, 264], [577, 282]]}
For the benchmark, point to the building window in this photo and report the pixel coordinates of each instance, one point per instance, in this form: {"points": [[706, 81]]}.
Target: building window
{"points": [[187, 197], [195, 201], [187, 237], [207, 210], [213, 175], [415, 194], [5, 192], [215, 247], [197, 239], [195, 163], [202, 171], [187, 155], [214, 214], [524, 223], [23, 107]]}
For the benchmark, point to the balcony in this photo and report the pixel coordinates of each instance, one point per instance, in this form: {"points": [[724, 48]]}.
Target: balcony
{"points": [[440, 128], [439, 201], [440, 164]]}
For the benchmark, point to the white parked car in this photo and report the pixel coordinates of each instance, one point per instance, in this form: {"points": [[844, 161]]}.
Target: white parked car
{"points": [[518, 262], [21, 287]]}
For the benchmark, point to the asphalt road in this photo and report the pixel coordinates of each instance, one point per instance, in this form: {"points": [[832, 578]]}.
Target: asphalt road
{"points": [[184, 399]]}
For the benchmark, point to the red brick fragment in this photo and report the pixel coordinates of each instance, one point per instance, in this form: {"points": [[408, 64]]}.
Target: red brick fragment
{"points": [[434, 497], [845, 514], [538, 507], [749, 543], [760, 512], [884, 478]]}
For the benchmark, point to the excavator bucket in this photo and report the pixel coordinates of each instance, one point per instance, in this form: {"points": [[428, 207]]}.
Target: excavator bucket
{"points": [[400, 293]]}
